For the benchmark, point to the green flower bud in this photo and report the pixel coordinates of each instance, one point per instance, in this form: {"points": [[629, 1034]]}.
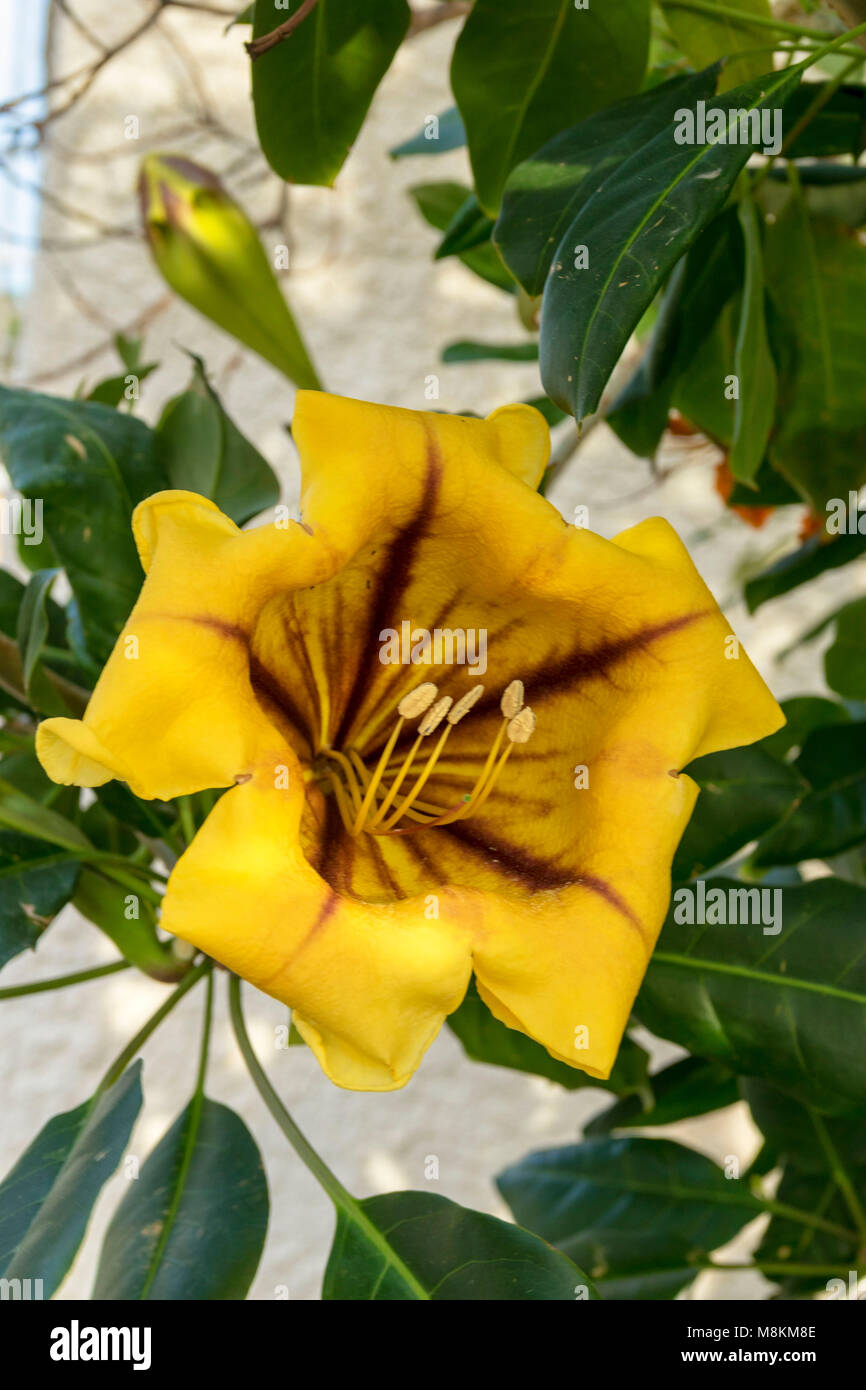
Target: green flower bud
{"points": [[208, 251]]}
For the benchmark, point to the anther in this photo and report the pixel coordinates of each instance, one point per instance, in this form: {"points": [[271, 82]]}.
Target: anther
{"points": [[465, 703], [521, 728], [417, 701], [433, 718], [512, 699]]}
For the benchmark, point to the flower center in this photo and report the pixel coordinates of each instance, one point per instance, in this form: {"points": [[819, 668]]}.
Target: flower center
{"points": [[378, 801]]}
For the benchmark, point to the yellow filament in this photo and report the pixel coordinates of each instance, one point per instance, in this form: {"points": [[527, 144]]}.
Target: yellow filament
{"points": [[370, 793], [420, 781]]}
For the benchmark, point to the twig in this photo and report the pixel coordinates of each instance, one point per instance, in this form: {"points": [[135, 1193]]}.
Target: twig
{"points": [[265, 42]]}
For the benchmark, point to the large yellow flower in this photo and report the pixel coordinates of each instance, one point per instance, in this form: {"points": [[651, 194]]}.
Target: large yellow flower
{"points": [[336, 875]]}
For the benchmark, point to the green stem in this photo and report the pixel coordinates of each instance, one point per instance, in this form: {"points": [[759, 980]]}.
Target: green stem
{"points": [[118, 1067], [60, 981], [343, 1200], [187, 819], [126, 880], [744, 20], [806, 1218], [837, 1168], [782, 1267]]}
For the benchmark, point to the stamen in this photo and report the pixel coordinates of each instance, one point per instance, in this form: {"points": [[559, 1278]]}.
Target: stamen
{"points": [[365, 804], [512, 699], [522, 726], [423, 695], [417, 701], [433, 718], [465, 703]]}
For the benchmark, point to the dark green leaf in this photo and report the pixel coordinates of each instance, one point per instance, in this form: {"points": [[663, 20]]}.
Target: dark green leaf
{"points": [[24, 813], [637, 1213], [790, 1007], [700, 286], [521, 73], [446, 1253], [803, 713], [485, 1039], [754, 367], [193, 1224], [312, 92], [845, 660], [767, 489], [831, 817], [544, 194], [438, 135], [32, 627], [35, 883], [744, 791], [91, 466], [791, 1241], [47, 1198], [839, 126], [438, 203], [816, 275], [799, 1135], [635, 229], [202, 450], [679, 1092], [814, 557], [490, 352], [469, 227]]}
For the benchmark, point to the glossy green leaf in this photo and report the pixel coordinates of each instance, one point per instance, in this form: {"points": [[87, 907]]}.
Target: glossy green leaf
{"points": [[802, 1137], [635, 229], [485, 1039], [521, 73], [32, 627], [47, 1198], [704, 38], [638, 1213], [744, 791], [830, 816], [469, 227], [490, 352], [815, 557], [699, 287], [803, 713], [787, 1241], [35, 883], [128, 922], [754, 367], [845, 660], [24, 813], [816, 275], [91, 466], [691, 1087], [193, 1224], [438, 135], [839, 127], [767, 489], [202, 450], [790, 1007], [544, 193], [831, 190], [312, 91], [438, 204], [443, 1252]]}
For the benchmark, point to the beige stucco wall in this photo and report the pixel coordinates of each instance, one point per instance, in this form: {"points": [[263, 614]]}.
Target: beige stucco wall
{"points": [[376, 311]]}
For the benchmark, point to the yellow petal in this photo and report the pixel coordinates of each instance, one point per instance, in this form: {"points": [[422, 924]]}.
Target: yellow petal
{"points": [[371, 985], [174, 710]]}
